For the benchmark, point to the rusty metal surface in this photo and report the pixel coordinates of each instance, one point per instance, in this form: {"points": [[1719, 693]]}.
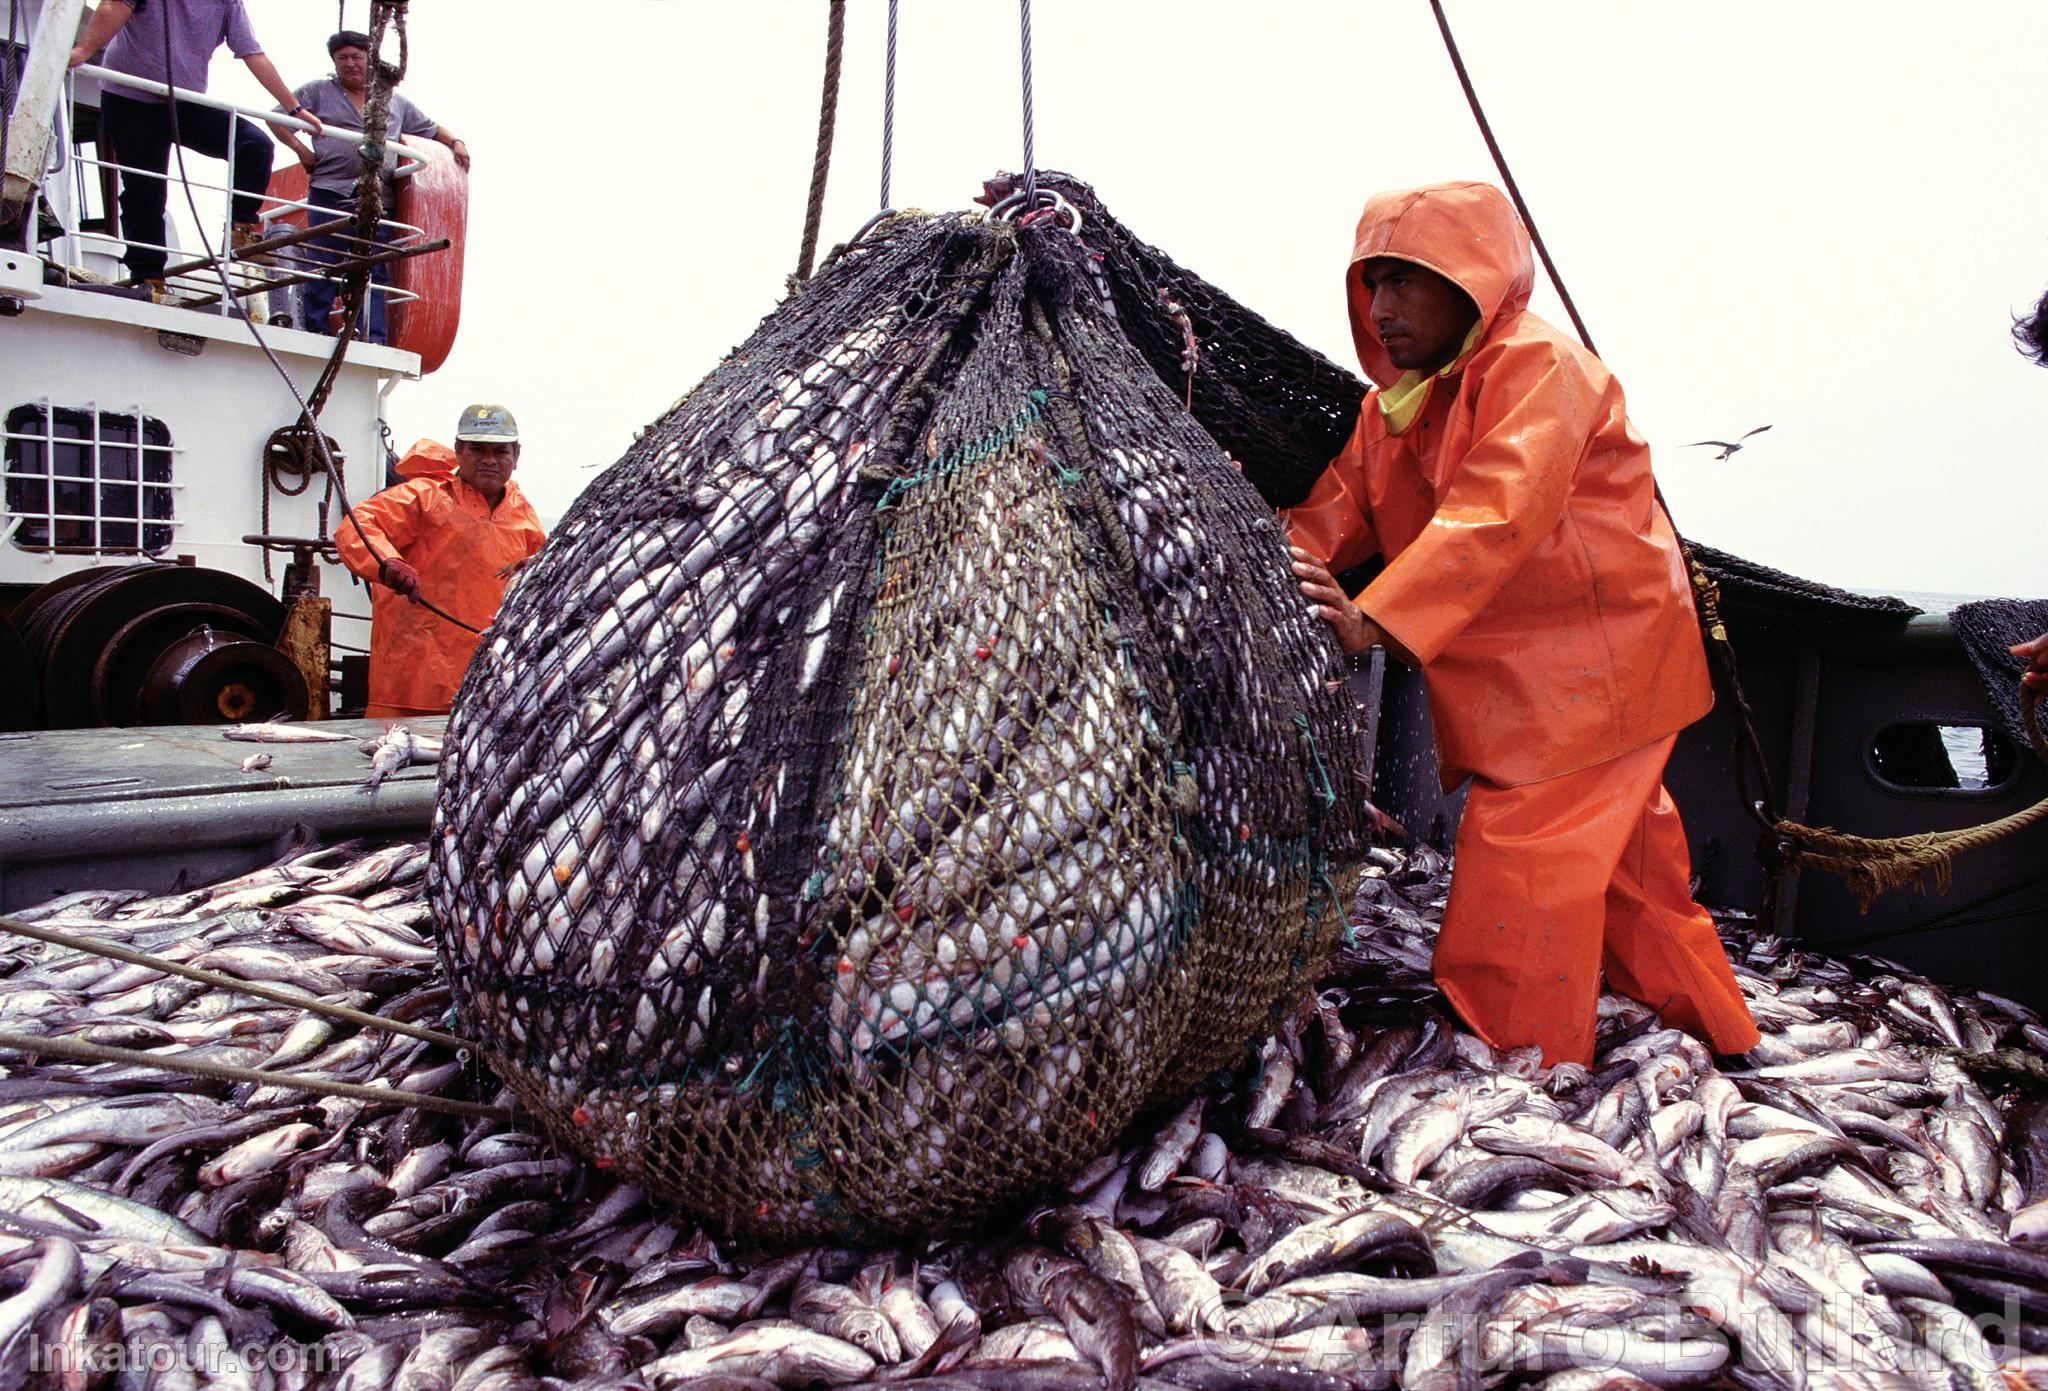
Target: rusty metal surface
{"points": [[306, 641]]}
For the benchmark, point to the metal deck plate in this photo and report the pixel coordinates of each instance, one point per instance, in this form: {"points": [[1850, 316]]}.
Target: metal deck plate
{"points": [[157, 807]]}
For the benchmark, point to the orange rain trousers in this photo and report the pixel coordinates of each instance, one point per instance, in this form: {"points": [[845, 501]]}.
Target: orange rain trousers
{"points": [[1558, 879], [458, 542]]}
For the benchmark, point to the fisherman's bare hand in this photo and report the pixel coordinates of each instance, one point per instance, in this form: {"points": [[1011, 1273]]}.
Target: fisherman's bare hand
{"points": [[506, 572], [1355, 632], [2035, 654]]}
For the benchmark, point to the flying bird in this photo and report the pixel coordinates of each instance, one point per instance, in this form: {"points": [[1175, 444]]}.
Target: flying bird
{"points": [[1725, 446]]}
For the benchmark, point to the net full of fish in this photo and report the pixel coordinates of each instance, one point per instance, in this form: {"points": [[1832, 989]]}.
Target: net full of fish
{"points": [[907, 761], [1381, 1202]]}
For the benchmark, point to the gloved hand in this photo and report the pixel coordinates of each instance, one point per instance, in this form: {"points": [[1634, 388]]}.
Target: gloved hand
{"points": [[401, 577]]}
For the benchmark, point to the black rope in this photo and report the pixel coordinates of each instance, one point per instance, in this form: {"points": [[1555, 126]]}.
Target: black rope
{"points": [[1499, 162], [821, 159], [1721, 662], [889, 107]]}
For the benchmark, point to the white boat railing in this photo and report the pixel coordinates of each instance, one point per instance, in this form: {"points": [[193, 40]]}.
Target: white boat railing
{"points": [[250, 276]]}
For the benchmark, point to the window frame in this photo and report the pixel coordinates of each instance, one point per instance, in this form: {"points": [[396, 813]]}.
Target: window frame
{"points": [[121, 472]]}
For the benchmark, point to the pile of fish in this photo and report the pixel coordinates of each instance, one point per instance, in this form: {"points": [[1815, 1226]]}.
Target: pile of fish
{"points": [[1376, 1201]]}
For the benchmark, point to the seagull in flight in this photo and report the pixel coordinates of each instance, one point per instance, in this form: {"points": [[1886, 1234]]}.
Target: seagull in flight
{"points": [[1725, 446]]}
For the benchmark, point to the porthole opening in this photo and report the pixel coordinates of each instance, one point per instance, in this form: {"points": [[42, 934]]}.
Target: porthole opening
{"points": [[1928, 756]]}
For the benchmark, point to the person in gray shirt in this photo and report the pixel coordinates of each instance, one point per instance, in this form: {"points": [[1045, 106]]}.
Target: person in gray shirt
{"points": [[173, 43], [333, 163]]}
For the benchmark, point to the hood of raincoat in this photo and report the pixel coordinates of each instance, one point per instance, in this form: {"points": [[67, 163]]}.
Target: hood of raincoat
{"points": [[1466, 232], [427, 459]]}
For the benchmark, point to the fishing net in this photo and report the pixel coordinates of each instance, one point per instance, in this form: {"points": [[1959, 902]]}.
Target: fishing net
{"points": [[1755, 597], [1280, 408], [1988, 628], [907, 762]]}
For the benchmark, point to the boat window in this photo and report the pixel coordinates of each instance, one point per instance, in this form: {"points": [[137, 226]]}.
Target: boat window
{"points": [[87, 482], [1923, 756]]}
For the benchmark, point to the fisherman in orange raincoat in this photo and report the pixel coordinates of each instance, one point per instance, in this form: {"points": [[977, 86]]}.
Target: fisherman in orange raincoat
{"points": [[452, 537], [1532, 576]]}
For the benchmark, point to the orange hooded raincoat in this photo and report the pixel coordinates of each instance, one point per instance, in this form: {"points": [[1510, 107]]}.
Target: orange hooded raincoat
{"points": [[1531, 572], [451, 534]]}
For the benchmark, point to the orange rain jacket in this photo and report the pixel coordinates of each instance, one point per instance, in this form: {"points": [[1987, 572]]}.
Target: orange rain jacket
{"points": [[458, 542], [1529, 568]]}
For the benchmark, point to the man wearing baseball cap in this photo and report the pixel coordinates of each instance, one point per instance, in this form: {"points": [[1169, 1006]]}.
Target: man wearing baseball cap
{"points": [[447, 539]]}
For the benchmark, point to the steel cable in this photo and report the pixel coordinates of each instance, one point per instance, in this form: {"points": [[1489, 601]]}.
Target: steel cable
{"points": [[1030, 168], [889, 107]]}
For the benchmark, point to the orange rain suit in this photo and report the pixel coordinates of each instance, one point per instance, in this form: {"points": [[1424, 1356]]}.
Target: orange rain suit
{"points": [[1533, 576], [458, 542]]}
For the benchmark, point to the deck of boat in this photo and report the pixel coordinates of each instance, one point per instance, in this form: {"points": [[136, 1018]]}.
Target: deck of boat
{"points": [[158, 807]]}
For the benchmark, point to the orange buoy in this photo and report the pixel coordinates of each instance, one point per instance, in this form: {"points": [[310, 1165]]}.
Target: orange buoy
{"points": [[435, 200]]}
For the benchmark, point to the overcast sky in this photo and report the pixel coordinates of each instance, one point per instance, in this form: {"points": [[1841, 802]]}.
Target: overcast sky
{"points": [[1817, 216]]}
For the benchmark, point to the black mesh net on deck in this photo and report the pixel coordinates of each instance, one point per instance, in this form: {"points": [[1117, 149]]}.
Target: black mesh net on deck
{"points": [[1754, 594], [1988, 628], [913, 756]]}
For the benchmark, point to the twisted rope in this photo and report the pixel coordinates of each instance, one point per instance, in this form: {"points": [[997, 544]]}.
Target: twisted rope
{"points": [[1872, 865], [79, 1051], [821, 160]]}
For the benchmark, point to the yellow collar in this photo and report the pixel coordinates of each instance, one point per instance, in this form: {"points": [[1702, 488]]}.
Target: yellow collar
{"points": [[1404, 400]]}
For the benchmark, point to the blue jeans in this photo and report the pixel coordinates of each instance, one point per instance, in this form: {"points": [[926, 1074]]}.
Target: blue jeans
{"points": [[316, 297]]}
